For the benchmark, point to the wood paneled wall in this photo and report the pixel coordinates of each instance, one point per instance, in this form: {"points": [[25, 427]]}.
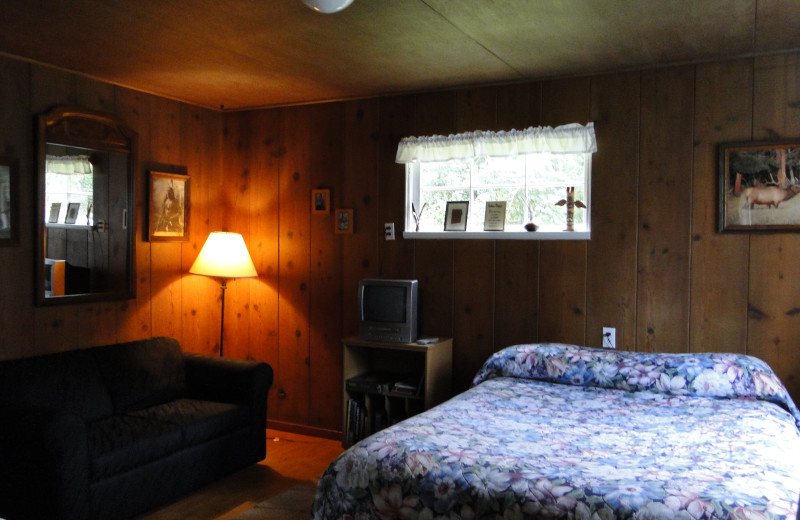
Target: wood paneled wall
{"points": [[655, 268]]}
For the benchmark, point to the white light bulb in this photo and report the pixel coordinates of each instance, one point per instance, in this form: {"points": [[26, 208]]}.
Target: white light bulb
{"points": [[327, 6]]}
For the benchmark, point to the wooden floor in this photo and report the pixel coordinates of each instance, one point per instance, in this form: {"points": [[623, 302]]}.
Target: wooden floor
{"points": [[291, 459]]}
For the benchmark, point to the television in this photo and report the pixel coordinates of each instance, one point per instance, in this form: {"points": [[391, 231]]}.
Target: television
{"points": [[54, 271], [387, 310]]}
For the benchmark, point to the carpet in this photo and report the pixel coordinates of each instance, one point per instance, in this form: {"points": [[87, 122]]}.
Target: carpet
{"points": [[293, 504]]}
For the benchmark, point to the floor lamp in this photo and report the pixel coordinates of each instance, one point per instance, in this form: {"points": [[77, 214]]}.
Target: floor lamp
{"points": [[224, 255]]}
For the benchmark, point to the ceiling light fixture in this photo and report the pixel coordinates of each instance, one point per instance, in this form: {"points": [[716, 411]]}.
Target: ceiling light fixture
{"points": [[327, 6]]}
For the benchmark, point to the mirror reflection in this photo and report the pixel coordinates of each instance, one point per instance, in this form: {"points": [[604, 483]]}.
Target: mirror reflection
{"points": [[85, 180]]}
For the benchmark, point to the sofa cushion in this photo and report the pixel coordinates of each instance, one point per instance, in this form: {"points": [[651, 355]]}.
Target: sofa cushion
{"points": [[142, 373], [69, 381], [199, 421], [123, 442]]}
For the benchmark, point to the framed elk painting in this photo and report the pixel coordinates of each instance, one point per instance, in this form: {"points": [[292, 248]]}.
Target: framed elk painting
{"points": [[758, 184]]}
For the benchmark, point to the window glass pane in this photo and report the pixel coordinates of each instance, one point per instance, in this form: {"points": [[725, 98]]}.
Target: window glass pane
{"points": [[66, 188], [436, 200], [515, 205], [81, 183], [444, 173], [498, 171], [555, 169], [542, 205]]}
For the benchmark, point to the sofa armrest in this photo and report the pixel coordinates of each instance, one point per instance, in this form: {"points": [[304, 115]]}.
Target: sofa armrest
{"points": [[44, 453], [231, 381]]}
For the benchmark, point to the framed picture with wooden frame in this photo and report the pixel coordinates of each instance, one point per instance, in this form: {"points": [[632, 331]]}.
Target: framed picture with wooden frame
{"points": [[9, 201], [320, 201], [168, 207], [758, 184], [455, 216], [343, 221]]}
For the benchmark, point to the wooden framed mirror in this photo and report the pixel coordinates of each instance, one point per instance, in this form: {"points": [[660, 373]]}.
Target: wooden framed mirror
{"points": [[85, 241]]}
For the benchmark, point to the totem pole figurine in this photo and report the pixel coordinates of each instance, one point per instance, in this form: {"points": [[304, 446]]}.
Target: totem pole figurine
{"points": [[571, 203]]}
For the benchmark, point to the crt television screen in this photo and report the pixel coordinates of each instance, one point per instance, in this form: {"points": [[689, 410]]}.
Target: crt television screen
{"points": [[384, 304]]}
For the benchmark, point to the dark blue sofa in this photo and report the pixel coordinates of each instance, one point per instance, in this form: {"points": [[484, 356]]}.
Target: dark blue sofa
{"points": [[113, 431]]}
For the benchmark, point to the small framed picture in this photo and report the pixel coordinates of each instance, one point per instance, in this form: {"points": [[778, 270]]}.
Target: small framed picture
{"points": [[320, 201], [495, 216], [168, 207], [455, 216], [344, 221], [9, 202], [55, 211], [72, 212]]}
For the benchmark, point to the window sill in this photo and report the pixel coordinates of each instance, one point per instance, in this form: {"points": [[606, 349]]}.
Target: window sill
{"points": [[497, 235], [55, 225]]}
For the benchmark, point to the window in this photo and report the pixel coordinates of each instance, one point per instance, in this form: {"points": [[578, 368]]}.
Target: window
{"points": [[69, 179], [530, 170]]}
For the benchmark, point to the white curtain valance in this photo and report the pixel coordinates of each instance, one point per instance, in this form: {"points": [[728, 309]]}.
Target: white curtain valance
{"points": [[572, 138], [68, 164]]}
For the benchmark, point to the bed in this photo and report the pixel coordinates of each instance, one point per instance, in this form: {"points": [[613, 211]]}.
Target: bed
{"points": [[562, 431]]}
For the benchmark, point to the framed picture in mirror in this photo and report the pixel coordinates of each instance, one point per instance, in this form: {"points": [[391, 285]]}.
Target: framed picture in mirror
{"points": [[9, 203], [72, 212]]}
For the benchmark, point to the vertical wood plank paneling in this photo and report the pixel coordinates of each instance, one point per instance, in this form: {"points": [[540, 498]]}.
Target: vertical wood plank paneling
{"points": [[101, 315], [236, 192], [396, 122], [293, 311], [95, 94], [516, 312], [264, 233], [562, 264], [359, 192], [720, 262], [166, 297], [473, 260], [519, 106], [200, 155], [664, 217], [325, 169], [16, 273], [55, 328], [773, 302], [611, 255], [433, 261], [134, 316]]}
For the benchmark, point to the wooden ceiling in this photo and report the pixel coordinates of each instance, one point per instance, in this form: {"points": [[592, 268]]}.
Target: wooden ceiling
{"points": [[244, 54]]}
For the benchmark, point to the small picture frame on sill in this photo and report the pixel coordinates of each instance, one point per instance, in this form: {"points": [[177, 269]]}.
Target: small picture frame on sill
{"points": [[495, 216], [72, 212], [55, 211], [320, 202], [455, 216], [343, 221]]}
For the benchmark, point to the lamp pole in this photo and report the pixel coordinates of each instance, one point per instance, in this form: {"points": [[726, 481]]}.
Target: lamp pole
{"points": [[222, 318]]}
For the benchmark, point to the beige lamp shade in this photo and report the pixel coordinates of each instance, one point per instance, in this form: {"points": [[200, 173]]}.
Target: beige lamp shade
{"points": [[224, 255]]}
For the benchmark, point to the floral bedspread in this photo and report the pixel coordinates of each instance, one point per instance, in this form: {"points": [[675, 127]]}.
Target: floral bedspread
{"points": [[559, 431]]}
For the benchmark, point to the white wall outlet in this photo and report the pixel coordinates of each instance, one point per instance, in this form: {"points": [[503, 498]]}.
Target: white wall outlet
{"points": [[388, 230], [609, 337]]}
